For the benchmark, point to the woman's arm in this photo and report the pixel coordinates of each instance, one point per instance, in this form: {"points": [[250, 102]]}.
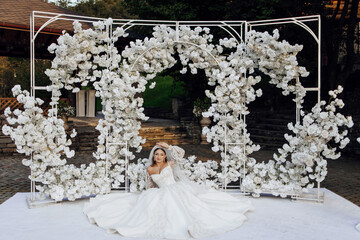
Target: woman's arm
{"points": [[149, 181], [177, 153]]}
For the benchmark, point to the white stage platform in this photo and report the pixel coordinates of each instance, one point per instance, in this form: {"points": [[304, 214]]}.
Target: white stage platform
{"points": [[273, 218]]}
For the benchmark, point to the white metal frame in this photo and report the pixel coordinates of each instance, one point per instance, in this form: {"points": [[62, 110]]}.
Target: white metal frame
{"points": [[108, 144], [236, 29], [300, 21]]}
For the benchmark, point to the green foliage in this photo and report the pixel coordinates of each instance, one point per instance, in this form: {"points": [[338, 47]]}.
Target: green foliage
{"points": [[268, 9], [201, 105], [182, 10], [98, 104], [63, 3], [17, 71], [102, 8], [176, 9], [161, 95], [65, 110], [195, 84]]}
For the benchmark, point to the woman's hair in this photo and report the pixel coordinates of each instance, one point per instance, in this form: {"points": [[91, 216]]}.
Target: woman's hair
{"points": [[152, 160]]}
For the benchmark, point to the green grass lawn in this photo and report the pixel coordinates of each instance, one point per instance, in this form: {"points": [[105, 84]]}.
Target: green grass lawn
{"points": [[161, 95]]}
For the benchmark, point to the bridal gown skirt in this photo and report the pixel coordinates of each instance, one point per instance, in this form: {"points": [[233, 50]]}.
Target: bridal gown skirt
{"points": [[177, 211]]}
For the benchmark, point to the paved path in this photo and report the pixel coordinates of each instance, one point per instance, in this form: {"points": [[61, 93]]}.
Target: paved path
{"points": [[343, 177]]}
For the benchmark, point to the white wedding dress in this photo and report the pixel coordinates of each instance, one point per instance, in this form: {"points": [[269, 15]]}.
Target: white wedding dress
{"points": [[174, 210]]}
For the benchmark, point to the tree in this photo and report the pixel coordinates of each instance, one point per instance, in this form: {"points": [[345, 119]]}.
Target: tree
{"points": [[339, 33], [338, 27], [17, 71], [177, 9], [182, 10], [63, 3], [102, 8]]}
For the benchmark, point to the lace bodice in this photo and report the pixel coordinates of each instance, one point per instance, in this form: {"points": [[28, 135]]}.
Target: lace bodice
{"points": [[164, 178], [177, 154]]}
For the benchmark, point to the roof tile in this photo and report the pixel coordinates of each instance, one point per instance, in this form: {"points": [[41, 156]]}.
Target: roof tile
{"points": [[17, 12]]}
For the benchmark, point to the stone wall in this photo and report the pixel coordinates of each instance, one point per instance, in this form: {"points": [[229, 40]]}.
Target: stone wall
{"points": [[193, 129], [86, 139]]}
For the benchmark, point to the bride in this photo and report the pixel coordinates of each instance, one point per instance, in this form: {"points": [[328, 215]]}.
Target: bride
{"points": [[172, 207]]}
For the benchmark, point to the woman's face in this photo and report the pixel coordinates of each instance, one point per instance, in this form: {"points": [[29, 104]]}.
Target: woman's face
{"points": [[159, 156]]}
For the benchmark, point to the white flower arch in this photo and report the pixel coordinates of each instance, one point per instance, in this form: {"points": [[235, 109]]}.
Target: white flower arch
{"points": [[90, 56]]}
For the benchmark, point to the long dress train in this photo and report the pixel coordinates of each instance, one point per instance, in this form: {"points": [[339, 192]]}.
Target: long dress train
{"points": [[174, 210]]}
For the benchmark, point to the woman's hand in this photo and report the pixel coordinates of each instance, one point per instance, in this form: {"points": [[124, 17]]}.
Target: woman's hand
{"points": [[163, 145]]}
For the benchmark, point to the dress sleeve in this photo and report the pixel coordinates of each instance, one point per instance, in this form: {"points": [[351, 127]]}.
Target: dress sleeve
{"points": [[149, 181], [177, 154]]}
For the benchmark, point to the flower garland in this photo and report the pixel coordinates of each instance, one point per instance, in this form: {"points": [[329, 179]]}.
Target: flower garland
{"points": [[90, 56], [307, 149], [236, 89]]}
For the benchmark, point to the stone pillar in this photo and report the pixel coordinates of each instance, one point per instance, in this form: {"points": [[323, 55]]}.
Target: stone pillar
{"points": [[177, 103], [175, 107], [90, 103], [204, 122], [80, 103]]}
